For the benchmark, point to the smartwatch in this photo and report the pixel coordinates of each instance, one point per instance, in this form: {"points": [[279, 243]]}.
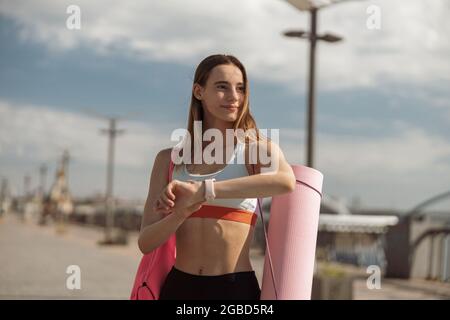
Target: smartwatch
{"points": [[209, 189]]}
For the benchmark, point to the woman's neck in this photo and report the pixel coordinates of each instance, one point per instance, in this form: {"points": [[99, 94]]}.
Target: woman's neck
{"points": [[220, 125]]}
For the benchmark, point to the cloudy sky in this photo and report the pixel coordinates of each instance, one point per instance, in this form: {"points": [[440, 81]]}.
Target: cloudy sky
{"points": [[383, 104]]}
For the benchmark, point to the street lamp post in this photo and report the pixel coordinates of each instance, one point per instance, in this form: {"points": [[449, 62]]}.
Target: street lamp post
{"points": [[311, 92], [312, 36]]}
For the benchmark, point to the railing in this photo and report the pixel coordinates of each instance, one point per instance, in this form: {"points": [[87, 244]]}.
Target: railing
{"points": [[443, 260]]}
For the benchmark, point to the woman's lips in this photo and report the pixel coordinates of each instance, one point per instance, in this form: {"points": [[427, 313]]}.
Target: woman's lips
{"points": [[230, 108]]}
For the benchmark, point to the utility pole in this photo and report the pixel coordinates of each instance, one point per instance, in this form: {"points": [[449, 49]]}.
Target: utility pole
{"points": [[4, 197], [26, 186], [43, 177], [112, 133], [311, 6], [65, 162]]}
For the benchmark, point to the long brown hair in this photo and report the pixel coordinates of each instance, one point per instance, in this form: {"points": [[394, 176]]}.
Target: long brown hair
{"points": [[245, 120]]}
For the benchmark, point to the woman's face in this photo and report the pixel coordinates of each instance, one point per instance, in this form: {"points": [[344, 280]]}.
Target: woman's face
{"points": [[223, 94]]}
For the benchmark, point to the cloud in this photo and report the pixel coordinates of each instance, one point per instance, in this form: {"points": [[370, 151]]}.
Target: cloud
{"points": [[406, 151], [410, 47], [400, 169], [38, 133], [32, 135]]}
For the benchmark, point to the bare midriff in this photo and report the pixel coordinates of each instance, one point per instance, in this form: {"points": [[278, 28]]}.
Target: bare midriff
{"points": [[208, 246]]}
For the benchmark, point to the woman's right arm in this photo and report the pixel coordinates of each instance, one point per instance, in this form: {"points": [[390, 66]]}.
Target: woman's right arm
{"points": [[157, 227]]}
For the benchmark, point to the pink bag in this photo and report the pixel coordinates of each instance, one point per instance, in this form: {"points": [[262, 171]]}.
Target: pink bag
{"points": [[155, 266]]}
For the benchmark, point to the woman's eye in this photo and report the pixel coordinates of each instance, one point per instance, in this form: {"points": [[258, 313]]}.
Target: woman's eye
{"points": [[225, 88]]}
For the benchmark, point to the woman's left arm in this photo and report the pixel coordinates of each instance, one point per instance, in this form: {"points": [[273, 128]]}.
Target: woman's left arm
{"points": [[273, 178]]}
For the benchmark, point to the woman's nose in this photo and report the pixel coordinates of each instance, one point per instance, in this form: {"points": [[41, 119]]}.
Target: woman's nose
{"points": [[233, 95]]}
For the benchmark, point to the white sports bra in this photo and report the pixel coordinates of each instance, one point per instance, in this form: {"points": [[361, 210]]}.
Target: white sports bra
{"points": [[237, 209]]}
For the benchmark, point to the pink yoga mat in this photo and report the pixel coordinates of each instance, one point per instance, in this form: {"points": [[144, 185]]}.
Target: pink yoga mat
{"points": [[292, 235]]}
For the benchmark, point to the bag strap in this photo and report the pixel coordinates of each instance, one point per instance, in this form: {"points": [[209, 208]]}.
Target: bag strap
{"points": [[267, 243], [169, 178], [171, 166]]}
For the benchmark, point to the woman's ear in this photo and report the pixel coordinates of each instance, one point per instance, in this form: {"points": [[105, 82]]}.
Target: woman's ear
{"points": [[197, 91]]}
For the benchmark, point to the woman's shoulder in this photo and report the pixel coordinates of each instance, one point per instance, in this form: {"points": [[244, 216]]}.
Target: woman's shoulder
{"points": [[261, 154], [162, 158], [165, 153], [263, 146]]}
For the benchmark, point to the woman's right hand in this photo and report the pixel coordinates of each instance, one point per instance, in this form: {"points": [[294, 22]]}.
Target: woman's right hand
{"points": [[185, 212], [177, 200]]}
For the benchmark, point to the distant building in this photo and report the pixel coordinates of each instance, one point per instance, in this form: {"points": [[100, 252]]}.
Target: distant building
{"points": [[59, 192], [352, 237]]}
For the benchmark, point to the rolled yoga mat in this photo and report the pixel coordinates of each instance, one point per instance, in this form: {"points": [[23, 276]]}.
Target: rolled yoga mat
{"points": [[292, 237]]}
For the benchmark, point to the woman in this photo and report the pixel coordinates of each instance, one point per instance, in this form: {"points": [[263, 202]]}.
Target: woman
{"points": [[211, 207]]}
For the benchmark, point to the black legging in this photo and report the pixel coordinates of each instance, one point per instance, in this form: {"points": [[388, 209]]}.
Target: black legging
{"points": [[180, 285]]}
